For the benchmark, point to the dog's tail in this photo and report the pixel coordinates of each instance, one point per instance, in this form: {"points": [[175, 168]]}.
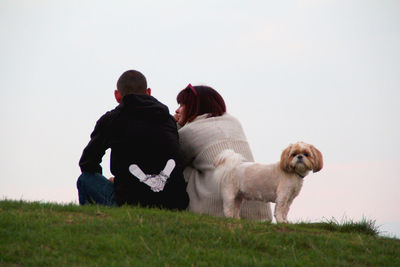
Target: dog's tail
{"points": [[225, 163]]}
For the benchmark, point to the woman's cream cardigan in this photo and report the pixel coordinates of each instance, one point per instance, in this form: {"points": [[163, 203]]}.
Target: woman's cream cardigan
{"points": [[201, 141]]}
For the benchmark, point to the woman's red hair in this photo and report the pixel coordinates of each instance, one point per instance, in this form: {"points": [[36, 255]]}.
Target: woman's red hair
{"points": [[199, 100]]}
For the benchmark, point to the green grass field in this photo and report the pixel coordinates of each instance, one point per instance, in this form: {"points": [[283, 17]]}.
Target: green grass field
{"points": [[39, 234]]}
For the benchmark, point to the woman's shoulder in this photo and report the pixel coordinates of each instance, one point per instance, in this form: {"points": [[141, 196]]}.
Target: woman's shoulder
{"points": [[224, 125], [204, 123], [227, 119], [205, 118], [228, 116]]}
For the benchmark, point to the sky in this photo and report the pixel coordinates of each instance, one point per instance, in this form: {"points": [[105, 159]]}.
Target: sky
{"points": [[323, 72]]}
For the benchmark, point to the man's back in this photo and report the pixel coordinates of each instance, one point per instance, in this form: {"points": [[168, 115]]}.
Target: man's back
{"points": [[139, 131]]}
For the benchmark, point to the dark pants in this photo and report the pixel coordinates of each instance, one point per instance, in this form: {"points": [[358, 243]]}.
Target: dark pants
{"points": [[94, 188]]}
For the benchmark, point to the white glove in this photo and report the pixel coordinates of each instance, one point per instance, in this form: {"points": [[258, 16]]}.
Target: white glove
{"points": [[155, 181]]}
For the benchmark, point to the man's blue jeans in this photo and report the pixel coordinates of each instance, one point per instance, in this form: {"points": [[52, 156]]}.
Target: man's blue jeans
{"points": [[94, 188]]}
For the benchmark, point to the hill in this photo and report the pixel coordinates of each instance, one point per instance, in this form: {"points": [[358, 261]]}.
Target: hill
{"points": [[45, 234]]}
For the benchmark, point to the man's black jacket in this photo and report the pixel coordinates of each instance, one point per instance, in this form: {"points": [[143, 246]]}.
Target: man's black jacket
{"points": [[139, 131]]}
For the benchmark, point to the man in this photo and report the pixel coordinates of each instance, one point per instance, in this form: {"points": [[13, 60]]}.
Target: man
{"points": [[144, 146]]}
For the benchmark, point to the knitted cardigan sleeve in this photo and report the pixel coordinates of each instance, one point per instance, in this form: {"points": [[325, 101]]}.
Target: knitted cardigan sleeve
{"points": [[187, 150]]}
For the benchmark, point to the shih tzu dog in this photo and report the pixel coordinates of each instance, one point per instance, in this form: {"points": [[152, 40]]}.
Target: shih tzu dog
{"points": [[279, 183]]}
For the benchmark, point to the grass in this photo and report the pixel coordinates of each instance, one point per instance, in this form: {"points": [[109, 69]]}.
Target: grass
{"points": [[45, 234]]}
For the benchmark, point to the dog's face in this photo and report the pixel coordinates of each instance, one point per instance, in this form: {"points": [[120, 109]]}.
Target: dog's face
{"points": [[300, 158]]}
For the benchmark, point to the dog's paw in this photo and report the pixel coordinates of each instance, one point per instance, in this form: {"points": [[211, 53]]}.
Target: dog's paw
{"points": [[279, 219]]}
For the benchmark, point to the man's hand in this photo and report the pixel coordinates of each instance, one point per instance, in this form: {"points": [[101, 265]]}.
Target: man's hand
{"points": [[111, 179]]}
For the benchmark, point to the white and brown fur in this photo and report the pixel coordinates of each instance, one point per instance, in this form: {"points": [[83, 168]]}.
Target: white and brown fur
{"points": [[279, 183]]}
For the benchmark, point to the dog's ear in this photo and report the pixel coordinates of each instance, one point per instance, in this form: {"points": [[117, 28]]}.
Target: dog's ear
{"points": [[285, 164], [317, 159]]}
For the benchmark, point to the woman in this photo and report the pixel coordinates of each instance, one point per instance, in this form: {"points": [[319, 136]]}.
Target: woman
{"points": [[205, 131]]}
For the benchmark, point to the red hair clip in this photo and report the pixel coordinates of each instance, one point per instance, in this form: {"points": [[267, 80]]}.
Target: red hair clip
{"points": [[192, 88]]}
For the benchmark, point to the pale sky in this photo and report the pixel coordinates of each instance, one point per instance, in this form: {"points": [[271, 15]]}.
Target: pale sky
{"points": [[323, 72]]}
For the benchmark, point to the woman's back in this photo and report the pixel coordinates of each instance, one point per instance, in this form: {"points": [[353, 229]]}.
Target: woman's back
{"points": [[201, 141]]}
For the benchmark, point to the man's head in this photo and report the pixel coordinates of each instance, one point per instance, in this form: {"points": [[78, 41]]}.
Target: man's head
{"points": [[131, 82]]}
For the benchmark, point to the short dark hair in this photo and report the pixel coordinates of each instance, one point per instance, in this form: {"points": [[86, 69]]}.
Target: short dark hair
{"points": [[132, 82], [199, 100]]}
